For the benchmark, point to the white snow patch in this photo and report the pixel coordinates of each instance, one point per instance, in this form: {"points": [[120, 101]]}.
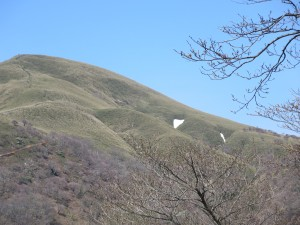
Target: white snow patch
{"points": [[177, 122], [222, 136]]}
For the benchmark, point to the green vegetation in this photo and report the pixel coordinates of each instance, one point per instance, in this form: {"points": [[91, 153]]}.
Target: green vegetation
{"points": [[64, 96], [68, 131]]}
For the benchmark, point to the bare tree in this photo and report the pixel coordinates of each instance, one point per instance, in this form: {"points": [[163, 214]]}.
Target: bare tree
{"points": [[249, 41], [190, 184], [287, 114]]}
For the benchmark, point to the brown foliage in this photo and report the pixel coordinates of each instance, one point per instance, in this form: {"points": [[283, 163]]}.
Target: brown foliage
{"points": [[56, 183], [191, 184]]}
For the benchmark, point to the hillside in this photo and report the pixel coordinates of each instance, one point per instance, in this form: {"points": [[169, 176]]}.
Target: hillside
{"points": [[68, 131], [78, 99]]}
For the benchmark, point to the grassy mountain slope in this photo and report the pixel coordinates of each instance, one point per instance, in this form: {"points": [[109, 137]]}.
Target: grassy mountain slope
{"points": [[66, 177], [82, 100]]}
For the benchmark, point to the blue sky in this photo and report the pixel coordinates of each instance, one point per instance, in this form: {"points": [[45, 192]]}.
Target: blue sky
{"points": [[137, 39]]}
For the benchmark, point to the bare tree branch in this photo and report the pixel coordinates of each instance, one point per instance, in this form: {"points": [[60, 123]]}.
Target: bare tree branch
{"points": [[191, 183], [287, 114], [249, 41]]}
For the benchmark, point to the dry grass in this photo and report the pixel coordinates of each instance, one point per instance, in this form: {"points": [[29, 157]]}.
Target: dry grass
{"points": [[79, 99]]}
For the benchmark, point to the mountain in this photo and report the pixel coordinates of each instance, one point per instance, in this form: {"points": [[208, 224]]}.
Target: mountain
{"points": [[78, 99], [66, 131]]}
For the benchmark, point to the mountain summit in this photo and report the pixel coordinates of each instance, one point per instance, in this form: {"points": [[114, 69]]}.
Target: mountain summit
{"points": [[82, 100], [74, 138]]}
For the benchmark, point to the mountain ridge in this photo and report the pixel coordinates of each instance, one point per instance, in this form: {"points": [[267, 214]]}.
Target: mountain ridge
{"points": [[71, 133], [79, 99]]}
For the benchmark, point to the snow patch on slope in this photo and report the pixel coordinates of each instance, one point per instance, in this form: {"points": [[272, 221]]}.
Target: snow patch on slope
{"points": [[222, 136], [177, 122]]}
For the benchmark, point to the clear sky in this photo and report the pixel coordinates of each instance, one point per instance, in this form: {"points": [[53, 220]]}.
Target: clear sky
{"points": [[137, 39]]}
